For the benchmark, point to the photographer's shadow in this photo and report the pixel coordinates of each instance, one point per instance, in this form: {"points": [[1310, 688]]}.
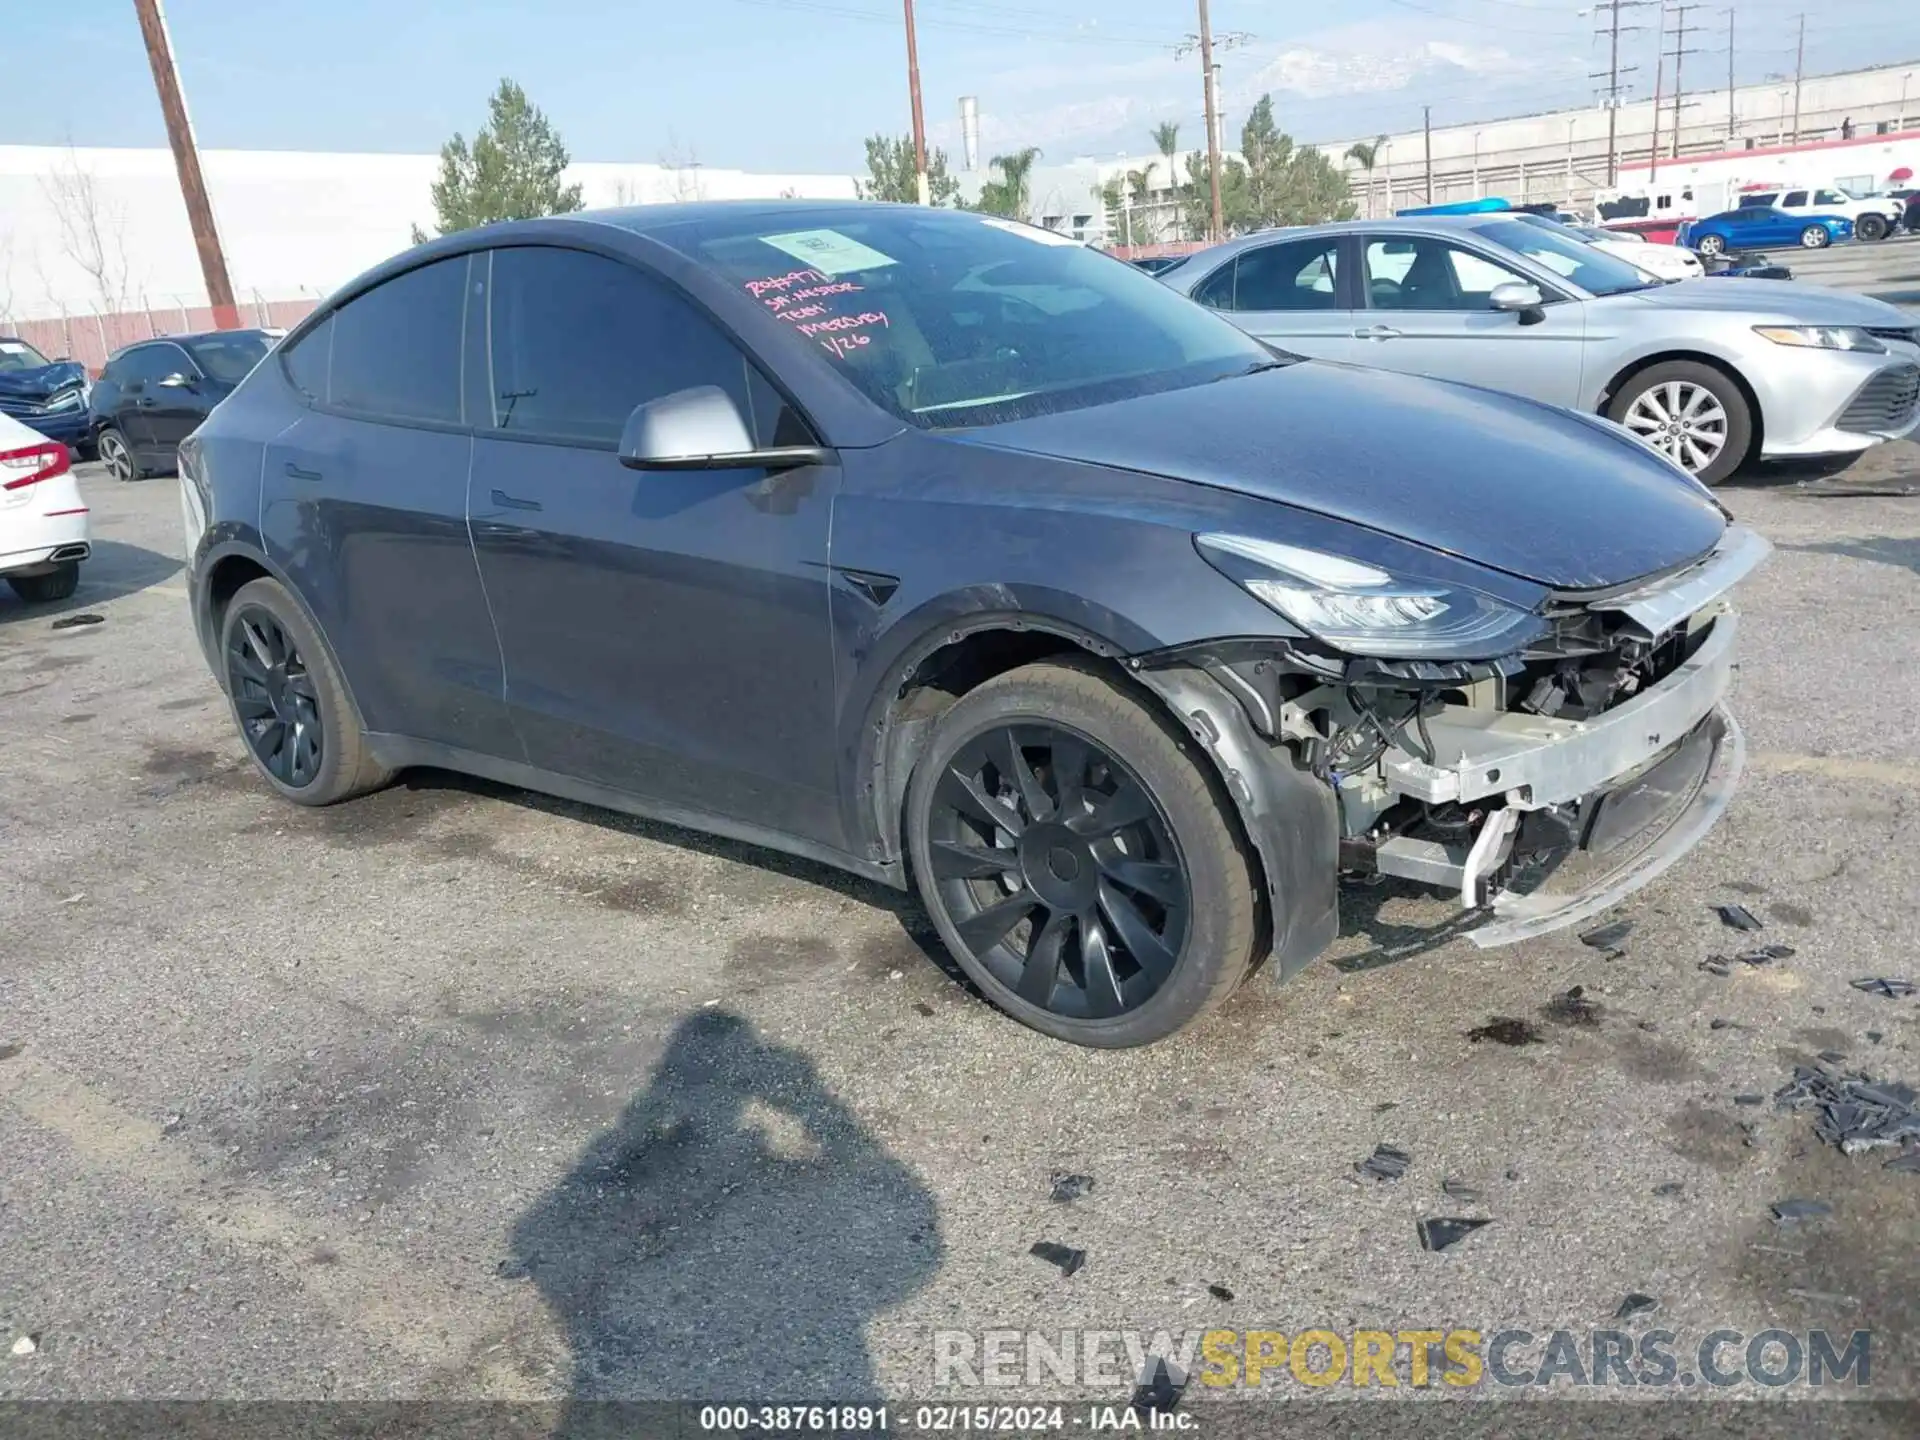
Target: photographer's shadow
{"points": [[730, 1238]]}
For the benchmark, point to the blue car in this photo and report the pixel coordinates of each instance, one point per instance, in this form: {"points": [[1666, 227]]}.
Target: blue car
{"points": [[46, 395], [1758, 225]]}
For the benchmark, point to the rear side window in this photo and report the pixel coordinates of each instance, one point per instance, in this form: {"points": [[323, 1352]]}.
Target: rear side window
{"points": [[308, 359], [1299, 276], [396, 349], [577, 340], [1795, 197]]}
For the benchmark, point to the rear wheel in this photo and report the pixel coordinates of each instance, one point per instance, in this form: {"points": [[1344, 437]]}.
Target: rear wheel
{"points": [[1815, 237], [57, 584], [1871, 227], [287, 697], [1710, 245], [1691, 413], [117, 455], [1079, 860]]}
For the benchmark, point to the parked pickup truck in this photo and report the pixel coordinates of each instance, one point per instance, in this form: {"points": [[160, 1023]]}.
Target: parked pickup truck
{"points": [[1873, 218]]}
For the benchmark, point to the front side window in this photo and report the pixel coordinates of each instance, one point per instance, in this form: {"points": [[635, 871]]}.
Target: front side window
{"points": [[578, 340], [1421, 273], [396, 348], [951, 320], [1303, 275], [231, 356], [19, 355], [152, 363]]}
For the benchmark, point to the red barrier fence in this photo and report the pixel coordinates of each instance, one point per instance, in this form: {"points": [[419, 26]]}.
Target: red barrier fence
{"points": [[91, 338]]}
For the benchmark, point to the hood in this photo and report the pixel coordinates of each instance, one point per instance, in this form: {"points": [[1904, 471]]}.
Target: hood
{"points": [[1787, 301], [1561, 499], [43, 380]]}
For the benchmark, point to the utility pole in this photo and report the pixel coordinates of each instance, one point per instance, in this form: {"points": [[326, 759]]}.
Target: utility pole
{"points": [[1733, 123], [1216, 230], [1680, 32], [1659, 75], [1426, 124], [186, 159], [1799, 70], [919, 121], [1614, 30]]}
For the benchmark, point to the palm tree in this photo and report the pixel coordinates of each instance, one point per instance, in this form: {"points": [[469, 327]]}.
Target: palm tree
{"points": [[1166, 135], [1140, 184], [1364, 155], [1016, 173]]}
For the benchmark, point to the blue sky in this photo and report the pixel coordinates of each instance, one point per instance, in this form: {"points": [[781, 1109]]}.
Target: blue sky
{"points": [[794, 84]]}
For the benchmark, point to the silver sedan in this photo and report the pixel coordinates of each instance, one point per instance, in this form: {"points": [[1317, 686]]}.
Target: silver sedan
{"points": [[1713, 372]]}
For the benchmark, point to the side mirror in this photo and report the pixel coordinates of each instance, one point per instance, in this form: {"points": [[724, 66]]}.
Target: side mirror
{"points": [[175, 381], [701, 429], [1516, 295]]}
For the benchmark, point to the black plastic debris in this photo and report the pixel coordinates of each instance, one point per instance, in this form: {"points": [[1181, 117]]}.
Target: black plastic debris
{"points": [[1738, 917], [1873, 1037], [1669, 1187], [1765, 954], [1159, 1387], [1386, 1105], [1385, 1163], [1908, 1163], [1504, 1030], [1608, 937], [74, 622], [1724, 1025], [920, 1007], [1461, 1191], [1716, 965], [8, 1052], [1791, 1212], [1749, 1099], [1833, 1057], [1438, 1234], [1068, 1188], [1065, 1256], [1220, 1292], [1635, 1304], [1854, 1111], [1572, 1008], [1886, 987]]}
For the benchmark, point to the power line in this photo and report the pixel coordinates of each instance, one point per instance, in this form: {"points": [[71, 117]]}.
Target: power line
{"points": [[1679, 53], [1613, 30]]}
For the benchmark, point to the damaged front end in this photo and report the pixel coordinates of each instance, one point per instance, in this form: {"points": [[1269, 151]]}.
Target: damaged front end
{"points": [[1542, 785]]}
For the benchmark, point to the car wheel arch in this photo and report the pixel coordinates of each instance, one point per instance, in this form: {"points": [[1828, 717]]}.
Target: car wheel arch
{"points": [[225, 571], [1697, 357]]}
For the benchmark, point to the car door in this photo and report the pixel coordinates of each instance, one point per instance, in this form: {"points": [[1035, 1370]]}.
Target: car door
{"points": [[141, 369], [1294, 293], [364, 508], [1429, 313], [174, 402], [665, 633]]}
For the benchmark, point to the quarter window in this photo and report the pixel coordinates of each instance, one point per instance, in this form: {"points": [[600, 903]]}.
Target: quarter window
{"points": [[308, 358], [396, 349], [577, 340]]}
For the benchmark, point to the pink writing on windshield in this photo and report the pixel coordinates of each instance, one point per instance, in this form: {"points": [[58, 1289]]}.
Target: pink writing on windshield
{"points": [[776, 284]]}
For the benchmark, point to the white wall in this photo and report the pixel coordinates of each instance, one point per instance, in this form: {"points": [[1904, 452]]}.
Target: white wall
{"points": [[292, 223]]}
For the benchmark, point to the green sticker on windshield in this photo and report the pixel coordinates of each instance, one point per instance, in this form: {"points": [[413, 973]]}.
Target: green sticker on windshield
{"points": [[828, 251]]}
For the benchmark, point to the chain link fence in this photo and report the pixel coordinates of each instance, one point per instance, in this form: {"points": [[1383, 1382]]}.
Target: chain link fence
{"points": [[91, 337]]}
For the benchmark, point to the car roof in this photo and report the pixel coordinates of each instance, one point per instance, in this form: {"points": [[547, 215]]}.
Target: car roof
{"points": [[648, 219], [1411, 225], [267, 330]]}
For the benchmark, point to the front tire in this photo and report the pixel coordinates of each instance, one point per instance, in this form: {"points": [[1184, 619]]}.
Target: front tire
{"points": [[1693, 414], [122, 464], [1815, 237], [1871, 227], [1079, 859], [57, 584], [289, 701]]}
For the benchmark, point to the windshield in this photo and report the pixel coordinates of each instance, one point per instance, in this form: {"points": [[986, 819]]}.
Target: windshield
{"points": [[1594, 271], [951, 320], [18, 355], [231, 356]]}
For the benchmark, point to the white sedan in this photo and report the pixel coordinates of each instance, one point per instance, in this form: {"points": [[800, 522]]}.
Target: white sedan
{"points": [[43, 520], [1663, 262]]}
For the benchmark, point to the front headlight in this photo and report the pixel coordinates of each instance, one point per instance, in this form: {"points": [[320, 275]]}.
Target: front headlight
{"points": [[1822, 337], [1367, 611]]}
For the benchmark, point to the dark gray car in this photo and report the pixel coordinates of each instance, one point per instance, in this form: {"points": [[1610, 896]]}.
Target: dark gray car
{"points": [[935, 547]]}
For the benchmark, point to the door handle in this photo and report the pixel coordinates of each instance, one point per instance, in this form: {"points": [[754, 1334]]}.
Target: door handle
{"points": [[295, 472], [1376, 332], [514, 502], [145, 402]]}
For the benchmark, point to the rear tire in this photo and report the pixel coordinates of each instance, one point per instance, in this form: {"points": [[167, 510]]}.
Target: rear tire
{"points": [[44, 589], [299, 724], [117, 455], [1711, 245], [1815, 237], [1643, 403], [1871, 227], [1121, 936]]}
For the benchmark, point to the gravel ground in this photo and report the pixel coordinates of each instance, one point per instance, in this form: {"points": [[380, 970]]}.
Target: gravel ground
{"points": [[459, 1092]]}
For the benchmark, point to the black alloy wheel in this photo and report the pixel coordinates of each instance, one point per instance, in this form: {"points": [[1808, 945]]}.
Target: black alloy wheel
{"points": [[1058, 870], [275, 698]]}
